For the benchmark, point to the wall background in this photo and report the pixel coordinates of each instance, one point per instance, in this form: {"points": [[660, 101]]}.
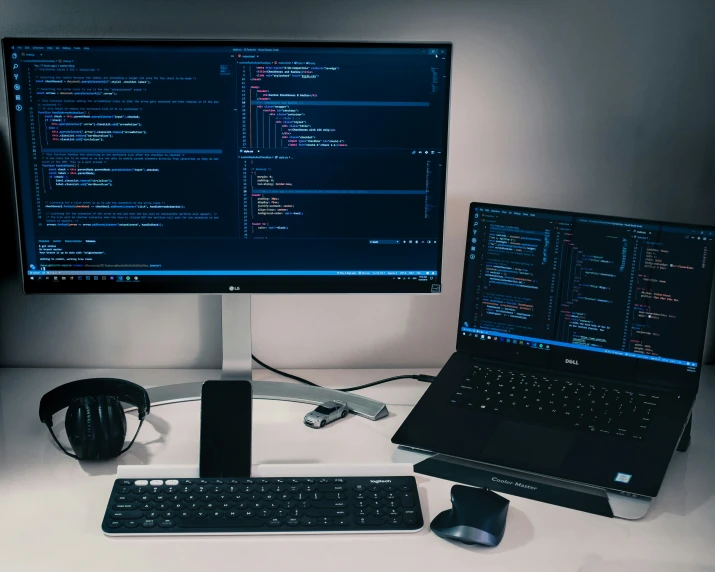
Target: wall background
{"points": [[607, 107]]}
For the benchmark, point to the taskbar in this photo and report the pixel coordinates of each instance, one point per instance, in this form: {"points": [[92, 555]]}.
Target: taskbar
{"points": [[263, 282], [219, 273]]}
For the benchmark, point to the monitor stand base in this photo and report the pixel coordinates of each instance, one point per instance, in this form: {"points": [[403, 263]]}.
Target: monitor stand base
{"points": [[237, 364]]}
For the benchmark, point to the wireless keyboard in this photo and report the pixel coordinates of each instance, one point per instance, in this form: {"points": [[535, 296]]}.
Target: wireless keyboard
{"points": [[263, 506]]}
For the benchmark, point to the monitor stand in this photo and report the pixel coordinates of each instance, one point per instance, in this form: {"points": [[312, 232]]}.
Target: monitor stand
{"points": [[237, 364]]}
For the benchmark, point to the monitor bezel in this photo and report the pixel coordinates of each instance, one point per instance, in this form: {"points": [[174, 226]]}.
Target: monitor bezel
{"points": [[593, 364], [231, 284]]}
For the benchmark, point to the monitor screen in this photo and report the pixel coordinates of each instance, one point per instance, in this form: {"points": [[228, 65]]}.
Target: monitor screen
{"points": [[146, 166], [575, 289]]}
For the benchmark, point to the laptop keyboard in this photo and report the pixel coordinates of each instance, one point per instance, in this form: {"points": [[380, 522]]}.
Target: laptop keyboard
{"points": [[573, 404]]}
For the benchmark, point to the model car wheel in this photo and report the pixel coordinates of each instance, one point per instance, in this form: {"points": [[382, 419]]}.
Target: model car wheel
{"points": [[322, 423], [343, 414]]}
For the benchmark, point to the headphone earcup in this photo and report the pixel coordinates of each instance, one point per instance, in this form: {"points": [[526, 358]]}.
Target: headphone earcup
{"points": [[113, 426], [80, 422], [96, 427]]}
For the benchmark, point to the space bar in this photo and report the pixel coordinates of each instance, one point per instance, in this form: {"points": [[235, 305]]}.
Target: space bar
{"points": [[220, 522]]}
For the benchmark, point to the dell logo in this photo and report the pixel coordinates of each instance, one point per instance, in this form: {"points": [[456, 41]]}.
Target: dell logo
{"points": [[234, 288], [571, 361]]}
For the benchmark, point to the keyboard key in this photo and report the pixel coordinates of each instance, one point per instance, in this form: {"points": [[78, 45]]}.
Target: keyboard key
{"points": [[114, 523], [167, 523], [410, 516], [369, 521], [407, 500], [327, 512], [330, 504], [220, 523], [332, 489], [125, 515], [125, 506]]}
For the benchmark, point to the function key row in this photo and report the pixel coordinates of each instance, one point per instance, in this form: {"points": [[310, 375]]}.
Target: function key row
{"points": [[209, 482]]}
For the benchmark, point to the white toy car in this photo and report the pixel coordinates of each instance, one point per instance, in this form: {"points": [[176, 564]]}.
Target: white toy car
{"points": [[326, 413]]}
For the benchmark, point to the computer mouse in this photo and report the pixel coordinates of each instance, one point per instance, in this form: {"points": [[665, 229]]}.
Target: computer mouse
{"points": [[477, 516]]}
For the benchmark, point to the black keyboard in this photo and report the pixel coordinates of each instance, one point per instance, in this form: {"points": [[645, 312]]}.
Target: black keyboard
{"points": [[580, 405], [266, 506]]}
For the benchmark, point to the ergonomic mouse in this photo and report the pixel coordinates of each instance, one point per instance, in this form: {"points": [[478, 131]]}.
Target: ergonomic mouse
{"points": [[477, 516]]}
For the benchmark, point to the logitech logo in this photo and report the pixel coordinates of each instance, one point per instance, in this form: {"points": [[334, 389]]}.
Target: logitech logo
{"points": [[571, 361], [380, 481], [513, 483], [234, 288]]}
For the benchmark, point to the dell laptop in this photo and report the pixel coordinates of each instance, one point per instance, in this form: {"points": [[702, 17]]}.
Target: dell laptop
{"points": [[579, 349]]}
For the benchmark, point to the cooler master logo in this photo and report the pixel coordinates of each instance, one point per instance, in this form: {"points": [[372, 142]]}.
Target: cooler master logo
{"points": [[513, 483], [571, 361]]}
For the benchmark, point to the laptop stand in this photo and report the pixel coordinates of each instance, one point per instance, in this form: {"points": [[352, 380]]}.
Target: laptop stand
{"points": [[595, 500], [684, 442]]}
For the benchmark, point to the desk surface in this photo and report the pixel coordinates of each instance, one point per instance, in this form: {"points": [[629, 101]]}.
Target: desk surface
{"points": [[52, 505]]}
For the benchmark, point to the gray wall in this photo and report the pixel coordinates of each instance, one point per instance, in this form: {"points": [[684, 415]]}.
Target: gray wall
{"points": [[604, 106]]}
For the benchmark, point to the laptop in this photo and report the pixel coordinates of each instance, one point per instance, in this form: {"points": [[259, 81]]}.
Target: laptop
{"points": [[579, 348]]}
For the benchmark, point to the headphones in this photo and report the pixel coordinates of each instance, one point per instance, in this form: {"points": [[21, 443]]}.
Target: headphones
{"points": [[95, 420]]}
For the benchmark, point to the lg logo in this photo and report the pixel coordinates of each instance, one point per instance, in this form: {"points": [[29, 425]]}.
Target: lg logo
{"points": [[234, 288], [572, 361]]}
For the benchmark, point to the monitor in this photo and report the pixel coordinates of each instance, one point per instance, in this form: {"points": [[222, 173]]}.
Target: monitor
{"points": [[222, 166], [229, 167], [589, 294]]}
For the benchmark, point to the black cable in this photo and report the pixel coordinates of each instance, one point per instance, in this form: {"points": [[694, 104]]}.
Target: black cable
{"points": [[419, 377], [283, 373]]}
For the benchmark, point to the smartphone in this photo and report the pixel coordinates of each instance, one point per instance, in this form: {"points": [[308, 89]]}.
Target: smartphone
{"points": [[226, 407]]}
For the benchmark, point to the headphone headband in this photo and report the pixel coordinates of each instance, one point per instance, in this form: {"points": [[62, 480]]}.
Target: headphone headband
{"points": [[61, 397]]}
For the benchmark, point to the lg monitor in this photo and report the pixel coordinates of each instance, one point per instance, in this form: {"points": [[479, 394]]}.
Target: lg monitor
{"points": [[231, 168]]}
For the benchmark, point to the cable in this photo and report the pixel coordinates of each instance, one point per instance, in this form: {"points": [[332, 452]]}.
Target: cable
{"points": [[283, 373], [419, 377]]}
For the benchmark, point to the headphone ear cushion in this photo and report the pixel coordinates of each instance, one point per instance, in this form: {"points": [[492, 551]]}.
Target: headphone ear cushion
{"points": [[112, 425], [80, 423]]}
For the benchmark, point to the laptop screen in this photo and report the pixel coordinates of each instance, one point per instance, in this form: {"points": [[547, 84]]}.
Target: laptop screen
{"points": [[586, 293]]}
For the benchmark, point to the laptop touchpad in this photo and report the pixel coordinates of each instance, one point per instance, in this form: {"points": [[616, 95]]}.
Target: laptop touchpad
{"points": [[519, 443]]}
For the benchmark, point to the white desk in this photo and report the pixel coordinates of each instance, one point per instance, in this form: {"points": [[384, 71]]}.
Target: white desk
{"points": [[52, 505]]}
